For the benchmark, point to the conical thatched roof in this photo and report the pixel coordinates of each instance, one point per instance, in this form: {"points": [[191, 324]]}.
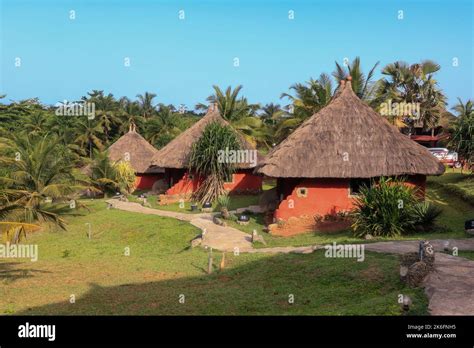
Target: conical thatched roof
{"points": [[133, 147], [176, 153], [348, 139]]}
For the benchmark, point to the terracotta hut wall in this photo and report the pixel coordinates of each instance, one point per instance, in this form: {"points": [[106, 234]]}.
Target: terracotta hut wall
{"points": [[185, 185], [146, 181], [243, 182], [312, 197], [321, 196]]}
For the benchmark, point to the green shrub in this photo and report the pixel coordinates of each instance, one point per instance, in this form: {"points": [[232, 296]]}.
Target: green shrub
{"points": [[385, 209], [223, 201], [426, 214]]}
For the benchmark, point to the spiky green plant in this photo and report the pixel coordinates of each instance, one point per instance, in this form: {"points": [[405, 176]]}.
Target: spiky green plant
{"points": [[387, 208], [224, 202], [426, 214], [206, 161]]}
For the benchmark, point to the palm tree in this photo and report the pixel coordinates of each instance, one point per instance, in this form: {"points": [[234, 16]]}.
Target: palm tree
{"points": [[462, 138], [307, 100], [10, 209], [145, 102], [129, 113], [107, 111], [271, 113], [36, 123], [413, 84], [311, 96], [88, 135], [240, 114], [41, 169], [362, 85], [162, 128]]}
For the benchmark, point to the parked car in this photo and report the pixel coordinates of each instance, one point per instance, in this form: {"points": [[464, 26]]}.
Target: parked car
{"points": [[449, 158]]}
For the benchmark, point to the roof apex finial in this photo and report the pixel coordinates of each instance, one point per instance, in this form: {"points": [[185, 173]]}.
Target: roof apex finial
{"points": [[349, 82], [132, 128]]}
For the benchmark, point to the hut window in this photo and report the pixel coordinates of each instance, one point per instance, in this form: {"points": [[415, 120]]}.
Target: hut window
{"points": [[302, 192], [356, 185]]}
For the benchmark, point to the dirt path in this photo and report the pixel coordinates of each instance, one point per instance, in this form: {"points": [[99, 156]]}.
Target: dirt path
{"points": [[214, 236], [450, 287]]}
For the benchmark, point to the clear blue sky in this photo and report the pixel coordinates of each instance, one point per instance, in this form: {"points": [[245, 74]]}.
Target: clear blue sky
{"points": [[180, 60]]}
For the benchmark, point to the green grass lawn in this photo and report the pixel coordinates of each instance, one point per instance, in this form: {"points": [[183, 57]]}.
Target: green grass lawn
{"points": [[160, 268]]}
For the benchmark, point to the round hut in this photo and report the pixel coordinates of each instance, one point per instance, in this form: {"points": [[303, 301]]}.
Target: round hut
{"points": [[174, 159], [133, 148], [323, 163]]}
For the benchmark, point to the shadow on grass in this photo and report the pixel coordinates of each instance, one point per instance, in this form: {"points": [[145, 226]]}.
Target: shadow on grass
{"points": [[9, 273], [263, 286]]}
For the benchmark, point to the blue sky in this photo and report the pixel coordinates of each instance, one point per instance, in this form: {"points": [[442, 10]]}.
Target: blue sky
{"points": [[180, 60]]}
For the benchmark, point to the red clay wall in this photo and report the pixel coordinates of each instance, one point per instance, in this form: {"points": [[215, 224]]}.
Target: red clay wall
{"points": [[325, 196], [184, 185], [243, 181], [146, 181]]}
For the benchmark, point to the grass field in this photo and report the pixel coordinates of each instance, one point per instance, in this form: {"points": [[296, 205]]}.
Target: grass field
{"points": [[142, 264], [160, 268]]}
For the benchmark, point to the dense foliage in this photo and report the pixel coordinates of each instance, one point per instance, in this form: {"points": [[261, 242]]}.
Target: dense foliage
{"points": [[390, 208], [462, 139]]}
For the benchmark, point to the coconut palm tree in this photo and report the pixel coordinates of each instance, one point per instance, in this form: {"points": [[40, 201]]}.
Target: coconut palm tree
{"points": [[163, 127], [88, 135], [271, 113], [36, 123], [462, 138], [106, 111], [145, 101], [39, 168], [363, 86], [129, 113], [237, 110], [308, 99]]}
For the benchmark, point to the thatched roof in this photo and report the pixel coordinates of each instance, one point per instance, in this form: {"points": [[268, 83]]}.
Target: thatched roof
{"points": [[134, 147], [348, 139], [176, 153]]}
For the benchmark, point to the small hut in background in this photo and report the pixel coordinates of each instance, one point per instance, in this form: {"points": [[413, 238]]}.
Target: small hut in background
{"points": [[436, 136], [174, 158], [133, 148], [321, 166]]}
